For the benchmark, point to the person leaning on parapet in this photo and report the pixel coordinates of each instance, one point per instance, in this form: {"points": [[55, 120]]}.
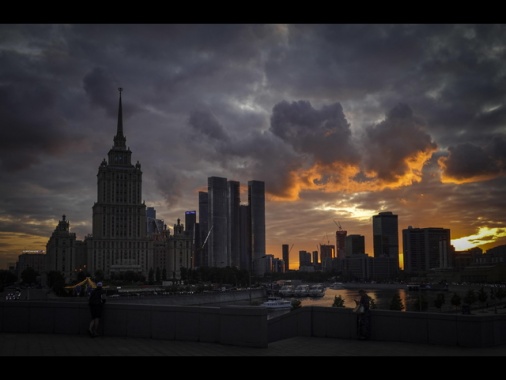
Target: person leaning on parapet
{"points": [[96, 303], [364, 318]]}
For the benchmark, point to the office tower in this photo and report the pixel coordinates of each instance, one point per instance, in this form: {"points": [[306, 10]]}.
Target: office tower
{"points": [[426, 249], [304, 260], [191, 230], [327, 251], [355, 244], [236, 233], [201, 252], [180, 251], [32, 259], [234, 227], [190, 218], [154, 226], [385, 235], [341, 243], [286, 256], [386, 244], [61, 251], [245, 238], [217, 190], [256, 202], [150, 220], [315, 256], [119, 242]]}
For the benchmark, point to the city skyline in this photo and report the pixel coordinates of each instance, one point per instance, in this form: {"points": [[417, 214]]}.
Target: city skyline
{"points": [[341, 122]]}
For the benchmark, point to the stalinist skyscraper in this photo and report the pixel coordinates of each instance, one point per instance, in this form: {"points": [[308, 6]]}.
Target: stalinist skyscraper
{"points": [[119, 242]]}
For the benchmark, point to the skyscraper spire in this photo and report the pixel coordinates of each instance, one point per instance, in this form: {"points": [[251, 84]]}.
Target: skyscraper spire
{"points": [[119, 139]]}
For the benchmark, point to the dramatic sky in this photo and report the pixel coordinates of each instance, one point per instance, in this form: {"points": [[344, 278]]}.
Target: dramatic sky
{"points": [[340, 121]]}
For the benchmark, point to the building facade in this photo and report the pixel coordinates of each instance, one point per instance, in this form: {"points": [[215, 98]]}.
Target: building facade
{"points": [[285, 252], [426, 249], [64, 253], [31, 259], [256, 203], [386, 240], [217, 190], [119, 241], [355, 244]]}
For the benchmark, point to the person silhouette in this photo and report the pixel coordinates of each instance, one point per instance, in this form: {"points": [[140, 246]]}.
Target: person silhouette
{"points": [[364, 318], [96, 303]]}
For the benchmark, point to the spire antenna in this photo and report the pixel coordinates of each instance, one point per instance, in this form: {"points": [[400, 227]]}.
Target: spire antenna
{"points": [[119, 139]]}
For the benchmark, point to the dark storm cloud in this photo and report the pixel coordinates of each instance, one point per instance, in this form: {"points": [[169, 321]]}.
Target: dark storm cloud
{"points": [[205, 124], [249, 155], [390, 146], [99, 85], [323, 135], [468, 161], [31, 125]]}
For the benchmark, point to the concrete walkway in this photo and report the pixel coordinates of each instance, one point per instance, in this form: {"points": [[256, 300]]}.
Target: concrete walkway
{"points": [[82, 345]]}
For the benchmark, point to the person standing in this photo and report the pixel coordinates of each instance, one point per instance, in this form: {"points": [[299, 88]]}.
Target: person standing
{"points": [[96, 303], [364, 317]]}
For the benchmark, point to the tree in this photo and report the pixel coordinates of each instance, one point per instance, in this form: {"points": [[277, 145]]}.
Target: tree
{"points": [[296, 304], [7, 278], [456, 300], [56, 282], [500, 293], [421, 303], [338, 301], [29, 276], [439, 301], [482, 295], [396, 303], [470, 298]]}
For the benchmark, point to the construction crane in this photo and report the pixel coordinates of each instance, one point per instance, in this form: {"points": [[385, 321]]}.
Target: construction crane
{"points": [[207, 237], [198, 250], [338, 225]]}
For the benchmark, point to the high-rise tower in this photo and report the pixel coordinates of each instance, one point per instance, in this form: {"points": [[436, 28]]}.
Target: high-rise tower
{"points": [[201, 251], [426, 249], [256, 201], [119, 242], [217, 244], [341, 243], [286, 256], [386, 239], [234, 226]]}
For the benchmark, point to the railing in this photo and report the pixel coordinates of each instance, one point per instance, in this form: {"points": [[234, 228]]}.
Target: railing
{"points": [[249, 325]]}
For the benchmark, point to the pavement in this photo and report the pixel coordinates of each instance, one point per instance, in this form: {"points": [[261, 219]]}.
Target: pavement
{"points": [[22, 344]]}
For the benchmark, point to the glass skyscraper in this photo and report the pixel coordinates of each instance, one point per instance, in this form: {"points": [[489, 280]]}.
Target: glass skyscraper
{"points": [[386, 239]]}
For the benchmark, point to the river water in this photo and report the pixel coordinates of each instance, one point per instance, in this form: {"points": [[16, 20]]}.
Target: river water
{"points": [[382, 296]]}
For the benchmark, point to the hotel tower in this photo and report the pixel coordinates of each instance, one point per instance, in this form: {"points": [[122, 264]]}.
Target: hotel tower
{"points": [[119, 242]]}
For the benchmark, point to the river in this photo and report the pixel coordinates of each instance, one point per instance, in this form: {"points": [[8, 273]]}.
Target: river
{"points": [[383, 294]]}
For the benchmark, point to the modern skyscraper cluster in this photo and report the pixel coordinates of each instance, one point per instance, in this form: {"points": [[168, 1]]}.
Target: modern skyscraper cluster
{"points": [[232, 234]]}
